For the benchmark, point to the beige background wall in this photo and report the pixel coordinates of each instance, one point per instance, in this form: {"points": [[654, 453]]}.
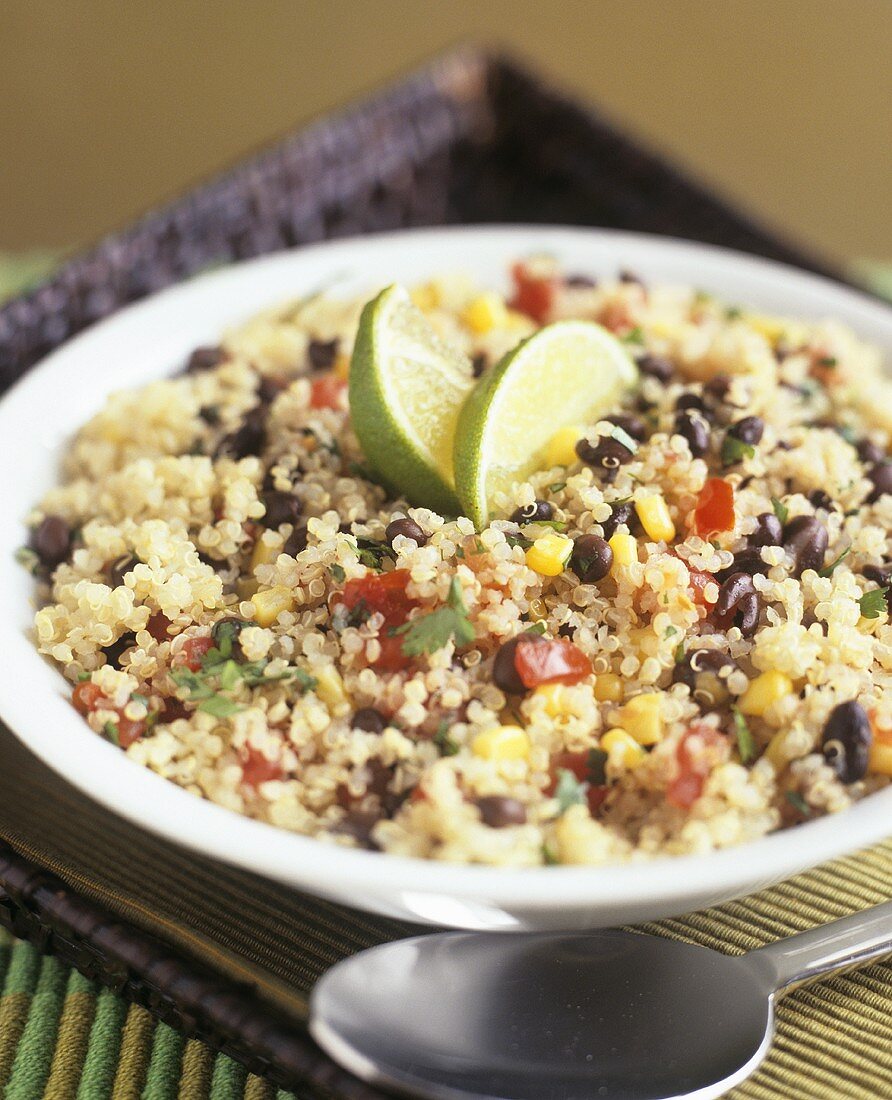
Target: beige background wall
{"points": [[107, 106]]}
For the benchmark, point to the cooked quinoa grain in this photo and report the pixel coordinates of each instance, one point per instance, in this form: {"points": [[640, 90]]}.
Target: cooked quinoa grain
{"points": [[678, 641]]}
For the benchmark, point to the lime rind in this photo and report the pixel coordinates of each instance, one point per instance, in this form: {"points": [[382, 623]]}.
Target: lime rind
{"points": [[406, 388]]}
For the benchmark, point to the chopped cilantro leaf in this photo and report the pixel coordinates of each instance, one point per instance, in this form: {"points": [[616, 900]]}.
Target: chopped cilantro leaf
{"points": [[569, 791], [827, 361], [733, 313], [430, 632], [110, 729], [873, 603], [556, 486], [780, 510], [798, 803], [26, 557], [746, 744], [633, 336], [337, 571], [519, 540], [735, 450], [670, 631], [828, 569], [219, 706], [373, 554], [536, 628], [549, 858], [679, 653], [554, 524], [447, 745]]}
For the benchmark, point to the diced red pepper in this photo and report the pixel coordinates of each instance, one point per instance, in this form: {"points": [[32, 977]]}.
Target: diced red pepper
{"points": [[715, 507], [698, 582], [693, 768], [616, 317], [87, 696], [533, 294], [256, 769], [392, 658], [326, 392], [130, 730], [550, 661], [384, 593], [157, 626], [194, 651]]}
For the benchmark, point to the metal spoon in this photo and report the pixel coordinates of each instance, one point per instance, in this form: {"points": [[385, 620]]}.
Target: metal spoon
{"points": [[544, 1016]]}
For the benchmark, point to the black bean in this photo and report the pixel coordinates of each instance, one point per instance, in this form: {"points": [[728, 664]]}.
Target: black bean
{"points": [[846, 741], [217, 564], [249, 439], [768, 531], [497, 811], [296, 541], [745, 561], [119, 569], [693, 427], [820, 498], [626, 276], [504, 673], [806, 539], [608, 454], [225, 633], [748, 430], [870, 452], [406, 527], [281, 507], [655, 366], [583, 282], [370, 720], [210, 414], [692, 401], [592, 558], [51, 541], [359, 824], [478, 364], [322, 353], [269, 387], [631, 424], [879, 574], [881, 476], [717, 388], [706, 672], [203, 359], [622, 513], [116, 650], [531, 513], [738, 596]]}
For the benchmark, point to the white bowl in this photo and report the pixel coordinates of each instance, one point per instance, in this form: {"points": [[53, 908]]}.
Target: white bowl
{"points": [[149, 340]]}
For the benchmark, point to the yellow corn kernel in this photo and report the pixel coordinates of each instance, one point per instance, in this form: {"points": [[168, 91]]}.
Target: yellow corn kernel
{"points": [[426, 296], [643, 719], [625, 549], [549, 554], [777, 752], [330, 689], [501, 743], [270, 603], [608, 688], [263, 553], [342, 366], [555, 698], [880, 760], [622, 748], [655, 518], [485, 313], [766, 689], [561, 449]]}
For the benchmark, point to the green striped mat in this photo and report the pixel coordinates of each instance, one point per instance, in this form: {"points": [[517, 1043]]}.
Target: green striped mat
{"points": [[63, 1037]]}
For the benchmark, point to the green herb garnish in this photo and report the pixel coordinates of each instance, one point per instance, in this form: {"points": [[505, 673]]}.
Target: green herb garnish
{"points": [[780, 510], [110, 729], [827, 361], [746, 744], [337, 571], [634, 336], [26, 557], [548, 856], [734, 450], [828, 569], [798, 803], [733, 313], [557, 486], [447, 745], [569, 791], [537, 628], [554, 524], [679, 653], [373, 554], [431, 632], [873, 603], [518, 540]]}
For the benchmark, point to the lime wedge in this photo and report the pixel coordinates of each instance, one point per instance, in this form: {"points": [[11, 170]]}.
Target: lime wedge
{"points": [[570, 372], [406, 388]]}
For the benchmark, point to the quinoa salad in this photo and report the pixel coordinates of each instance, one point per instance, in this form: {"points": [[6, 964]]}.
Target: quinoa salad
{"points": [[674, 636]]}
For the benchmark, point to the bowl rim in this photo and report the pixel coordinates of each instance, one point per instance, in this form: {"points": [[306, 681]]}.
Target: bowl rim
{"points": [[158, 805]]}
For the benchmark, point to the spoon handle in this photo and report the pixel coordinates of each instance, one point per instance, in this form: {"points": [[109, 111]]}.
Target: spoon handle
{"points": [[829, 948]]}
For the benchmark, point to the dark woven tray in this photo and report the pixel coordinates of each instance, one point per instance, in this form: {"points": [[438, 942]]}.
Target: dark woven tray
{"points": [[471, 138]]}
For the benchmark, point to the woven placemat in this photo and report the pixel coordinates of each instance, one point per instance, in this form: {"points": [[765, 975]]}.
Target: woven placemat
{"points": [[834, 1038]]}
